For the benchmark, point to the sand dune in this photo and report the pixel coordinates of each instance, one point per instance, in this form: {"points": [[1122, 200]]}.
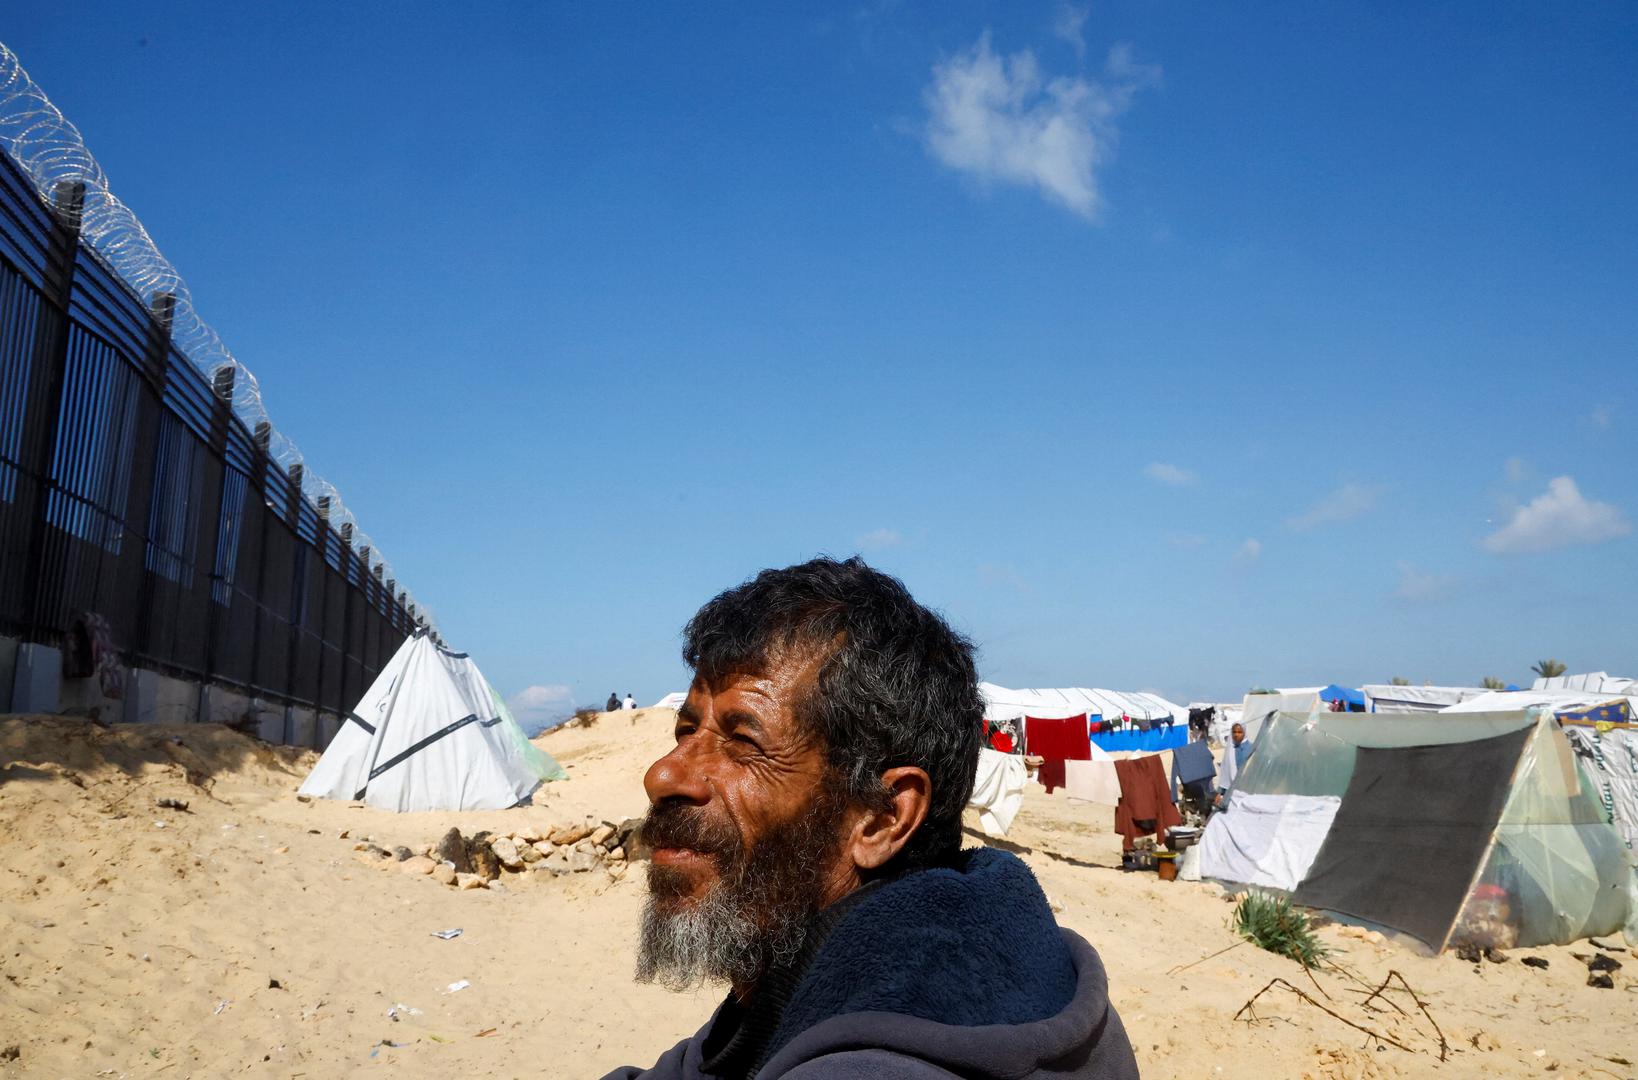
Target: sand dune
{"points": [[141, 941]]}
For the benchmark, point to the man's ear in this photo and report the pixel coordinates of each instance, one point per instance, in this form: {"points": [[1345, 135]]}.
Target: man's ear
{"points": [[883, 834]]}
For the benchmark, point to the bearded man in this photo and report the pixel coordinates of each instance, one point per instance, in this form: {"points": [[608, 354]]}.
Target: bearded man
{"points": [[806, 850]]}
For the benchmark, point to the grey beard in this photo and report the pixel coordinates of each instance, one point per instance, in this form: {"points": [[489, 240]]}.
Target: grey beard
{"points": [[714, 940]]}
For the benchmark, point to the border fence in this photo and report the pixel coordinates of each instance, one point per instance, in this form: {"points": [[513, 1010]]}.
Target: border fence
{"points": [[131, 490]]}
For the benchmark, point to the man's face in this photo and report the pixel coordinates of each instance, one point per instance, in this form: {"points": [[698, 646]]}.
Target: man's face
{"points": [[745, 836], [1239, 734]]}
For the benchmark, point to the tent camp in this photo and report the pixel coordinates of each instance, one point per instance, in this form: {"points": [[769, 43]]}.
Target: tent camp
{"points": [[1479, 829], [1000, 703], [431, 734], [1384, 697], [672, 700]]}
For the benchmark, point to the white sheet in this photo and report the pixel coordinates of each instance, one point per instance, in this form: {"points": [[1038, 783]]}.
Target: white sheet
{"points": [[1266, 840], [1092, 781], [998, 790]]}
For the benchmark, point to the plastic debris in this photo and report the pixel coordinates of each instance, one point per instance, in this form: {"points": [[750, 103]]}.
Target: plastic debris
{"points": [[400, 1009], [458, 985], [220, 1005], [159, 824], [447, 934]]}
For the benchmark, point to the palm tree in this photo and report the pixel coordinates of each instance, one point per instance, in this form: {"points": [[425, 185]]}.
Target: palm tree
{"points": [[1548, 669], [1490, 682]]}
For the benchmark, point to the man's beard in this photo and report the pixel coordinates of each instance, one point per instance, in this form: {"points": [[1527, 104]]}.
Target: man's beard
{"points": [[754, 916]]}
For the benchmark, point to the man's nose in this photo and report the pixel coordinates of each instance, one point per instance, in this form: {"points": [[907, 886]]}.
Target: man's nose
{"points": [[679, 775]]}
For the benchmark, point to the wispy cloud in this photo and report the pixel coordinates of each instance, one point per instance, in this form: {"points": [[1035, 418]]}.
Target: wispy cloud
{"points": [[1170, 475], [1249, 551], [1344, 504], [1000, 120], [1602, 415], [1418, 587], [1559, 517], [1004, 575], [877, 539], [541, 706], [1069, 25]]}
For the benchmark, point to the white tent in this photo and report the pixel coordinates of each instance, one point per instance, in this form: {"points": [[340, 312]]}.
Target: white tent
{"points": [[1387, 698], [431, 734], [672, 700], [1001, 703], [1596, 682]]}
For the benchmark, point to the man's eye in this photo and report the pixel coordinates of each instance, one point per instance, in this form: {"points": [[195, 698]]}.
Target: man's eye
{"points": [[748, 741]]}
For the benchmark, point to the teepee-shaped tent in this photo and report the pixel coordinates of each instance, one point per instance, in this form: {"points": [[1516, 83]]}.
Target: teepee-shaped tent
{"points": [[431, 734]]}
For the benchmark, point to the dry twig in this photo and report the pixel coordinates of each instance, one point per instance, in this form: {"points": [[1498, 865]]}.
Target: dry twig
{"points": [[1278, 982]]}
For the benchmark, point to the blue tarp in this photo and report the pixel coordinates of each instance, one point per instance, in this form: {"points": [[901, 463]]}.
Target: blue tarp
{"points": [[1160, 738], [1354, 699]]}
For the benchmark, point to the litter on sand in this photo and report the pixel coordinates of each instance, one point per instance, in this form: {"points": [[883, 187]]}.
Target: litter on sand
{"points": [[400, 1009], [447, 934], [458, 985], [220, 1005]]}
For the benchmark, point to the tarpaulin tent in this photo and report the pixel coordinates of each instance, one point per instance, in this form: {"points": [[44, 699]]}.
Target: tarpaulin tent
{"points": [[1352, 699], [1384, 697], [431, 734], [1440, 826], [1000, 703]]}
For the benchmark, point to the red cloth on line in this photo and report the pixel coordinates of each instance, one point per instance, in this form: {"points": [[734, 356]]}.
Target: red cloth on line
{"points": [[1063, 740], [1146, 796], [1000, 740], [1051, 774]]}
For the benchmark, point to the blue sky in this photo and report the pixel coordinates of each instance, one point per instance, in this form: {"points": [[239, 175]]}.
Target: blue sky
{"points": [[1162, 346]]}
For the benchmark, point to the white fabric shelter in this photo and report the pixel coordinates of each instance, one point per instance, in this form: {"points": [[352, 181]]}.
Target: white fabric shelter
{"points": [[1596, 682], [672, 700], [1001, 703], [1387, 698], [430, 734]]}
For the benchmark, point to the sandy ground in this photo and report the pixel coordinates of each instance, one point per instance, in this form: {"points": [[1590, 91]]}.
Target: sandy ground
{"points": [[131, 949]]}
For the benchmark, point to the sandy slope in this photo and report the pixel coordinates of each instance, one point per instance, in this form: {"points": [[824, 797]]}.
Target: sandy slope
{"points": [[120, 940]]}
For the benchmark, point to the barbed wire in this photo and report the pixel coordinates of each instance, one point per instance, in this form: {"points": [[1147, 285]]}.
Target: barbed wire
{"points": [[51, 151]]}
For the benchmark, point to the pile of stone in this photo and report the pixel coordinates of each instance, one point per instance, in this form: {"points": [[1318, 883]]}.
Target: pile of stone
{"points": [[477, 861]]}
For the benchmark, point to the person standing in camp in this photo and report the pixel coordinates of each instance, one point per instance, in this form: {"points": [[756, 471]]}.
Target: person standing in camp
{"points": [[614, 703], [1241, 749], [806, 839], [631, 702]]}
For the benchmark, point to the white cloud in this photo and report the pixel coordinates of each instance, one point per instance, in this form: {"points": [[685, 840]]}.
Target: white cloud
{"points": [[1601, 415], [1416, 587], [999, 120], [537, 707], [1517, 471], [1249, 551], [1069, 25], [1560, 517], [1344, 504], [877, 539], [1170, 475]]}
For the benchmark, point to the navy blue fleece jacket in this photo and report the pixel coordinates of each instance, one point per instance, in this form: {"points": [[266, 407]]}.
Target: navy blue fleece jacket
{"points": [[956, 971]]}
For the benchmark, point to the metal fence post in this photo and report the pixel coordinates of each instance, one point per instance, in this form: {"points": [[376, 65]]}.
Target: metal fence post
{"points": [[48, 369]]}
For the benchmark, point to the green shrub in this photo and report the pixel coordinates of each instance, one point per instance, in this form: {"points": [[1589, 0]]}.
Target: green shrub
{"points": [[1272, 923]]}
